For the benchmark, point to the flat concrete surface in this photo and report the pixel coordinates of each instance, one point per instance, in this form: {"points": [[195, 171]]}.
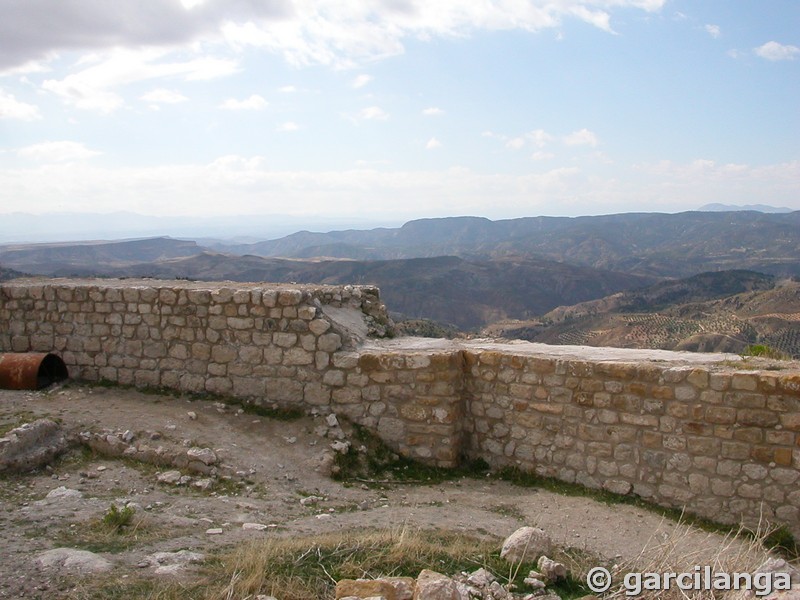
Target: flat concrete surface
{"points": [[586, 353]]}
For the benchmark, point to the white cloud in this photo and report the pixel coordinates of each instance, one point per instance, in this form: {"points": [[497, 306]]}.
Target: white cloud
{"points": [[93, 87], [332, 32], [162, 96], [345, 34], [433, 111], [246, 185], [254, 102], [288, 126], [539, 155], [287, 89], [775, 51], [373, 113], [11, 108], [432, 144], [54, 152], [539, 138], [361, 81], [583, 137], [713, 31]]}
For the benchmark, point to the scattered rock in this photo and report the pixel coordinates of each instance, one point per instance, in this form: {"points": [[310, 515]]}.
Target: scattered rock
{"points": [[172, 563], [779, 565], [481, 578], [254, 526], [331, 420], [192, 415], [70, 559], [435, 586], [32, 445], [310, 500], [214, 531], [170, 477], [364, 588], [204, 455], [204, 484], [63, 493], [551, 570], [525, 544], [340, 447]]}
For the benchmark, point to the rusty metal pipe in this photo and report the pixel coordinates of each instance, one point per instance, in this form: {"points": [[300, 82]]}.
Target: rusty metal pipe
{"points": [[30, 370]]}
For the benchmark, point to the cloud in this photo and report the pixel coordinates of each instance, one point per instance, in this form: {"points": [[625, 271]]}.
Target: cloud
{"points": [[538, 138], [583, 137], [328, 32], [373, 113], [254, 102], [55, 152], [539, 155], [775, 51], [432, 111], [162, 96], [433, 143], [361, 81], [93, 87], [287, 89], [288, 126], [11, 108], [247, 185], [713, 31]]}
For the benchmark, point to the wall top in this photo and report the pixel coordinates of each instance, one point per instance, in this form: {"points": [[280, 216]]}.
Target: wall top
{"points": [[24, 282], [667, 358]]}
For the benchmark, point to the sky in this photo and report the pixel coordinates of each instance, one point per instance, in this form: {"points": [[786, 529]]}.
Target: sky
{"points": [[391, 110]]}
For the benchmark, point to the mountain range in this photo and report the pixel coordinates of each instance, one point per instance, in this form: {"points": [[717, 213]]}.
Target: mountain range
{"points": [[470, 272]]}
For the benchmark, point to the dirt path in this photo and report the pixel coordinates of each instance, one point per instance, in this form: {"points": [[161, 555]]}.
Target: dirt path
{"points": [[276, 461]]}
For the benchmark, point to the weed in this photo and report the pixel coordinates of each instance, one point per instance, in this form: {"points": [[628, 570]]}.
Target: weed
{"points": [[15, 420], [764, 351], [507, 510], [783, 542], [378, 461], [116, 519]]}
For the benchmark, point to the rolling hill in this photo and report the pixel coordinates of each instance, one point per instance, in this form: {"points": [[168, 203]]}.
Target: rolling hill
{"points": [[449, 289], [651, 244], [710, 312]]}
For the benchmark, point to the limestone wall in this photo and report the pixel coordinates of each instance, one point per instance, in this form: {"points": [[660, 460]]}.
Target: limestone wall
{"points": [[721, 441], [703, 431]]}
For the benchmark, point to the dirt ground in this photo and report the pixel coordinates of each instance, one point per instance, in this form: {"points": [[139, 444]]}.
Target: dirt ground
{"points": [[276, 462]]}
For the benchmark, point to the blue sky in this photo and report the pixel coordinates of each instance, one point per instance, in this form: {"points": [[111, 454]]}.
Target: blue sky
{"points": [[398, 109]]}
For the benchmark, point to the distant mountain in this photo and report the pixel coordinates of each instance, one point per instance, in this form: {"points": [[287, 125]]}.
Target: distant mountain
{"points": [[48, 258], [8, 274], [650, 244], [711, 312], [22, 227], [716, 207], [448, 289]]}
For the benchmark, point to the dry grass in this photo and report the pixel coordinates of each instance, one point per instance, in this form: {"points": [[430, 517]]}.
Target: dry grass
{"points": [[739, 552], [308, 567]]}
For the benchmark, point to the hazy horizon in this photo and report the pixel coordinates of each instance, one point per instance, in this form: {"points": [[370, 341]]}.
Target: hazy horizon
{"points": [[21, 228], [397, 110]]}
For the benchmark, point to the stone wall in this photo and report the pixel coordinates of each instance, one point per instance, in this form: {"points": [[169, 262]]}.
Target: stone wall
{"points": [[721, 441], [703, 431]]}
